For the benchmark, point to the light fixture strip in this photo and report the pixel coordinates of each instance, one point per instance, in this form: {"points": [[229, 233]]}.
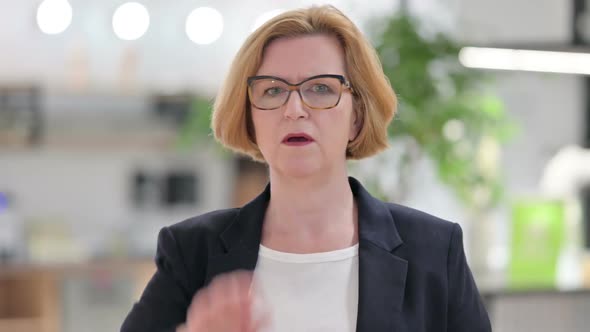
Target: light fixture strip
{"points": [[525, 60]]}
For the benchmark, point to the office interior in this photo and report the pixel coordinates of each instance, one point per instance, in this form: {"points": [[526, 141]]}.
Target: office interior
{"points": [[104, 140]]}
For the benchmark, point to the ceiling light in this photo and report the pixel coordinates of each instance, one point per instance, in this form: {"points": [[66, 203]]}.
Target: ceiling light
{"points": [[54, 16], [204, 25], [131, 21]]}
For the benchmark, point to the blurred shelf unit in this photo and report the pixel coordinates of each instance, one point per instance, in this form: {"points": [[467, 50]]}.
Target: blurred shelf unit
{"points": [[93, 120], [20, 115]]}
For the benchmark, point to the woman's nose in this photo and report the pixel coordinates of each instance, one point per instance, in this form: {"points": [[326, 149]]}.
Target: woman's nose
{"points": [[294, 107]]}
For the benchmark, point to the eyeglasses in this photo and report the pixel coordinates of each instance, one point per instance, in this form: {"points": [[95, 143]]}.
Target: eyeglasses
{"points": [[316, 92]]}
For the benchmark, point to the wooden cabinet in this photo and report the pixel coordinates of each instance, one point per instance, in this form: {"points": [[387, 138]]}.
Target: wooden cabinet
{"points": [[53, 298], [26, 303]]}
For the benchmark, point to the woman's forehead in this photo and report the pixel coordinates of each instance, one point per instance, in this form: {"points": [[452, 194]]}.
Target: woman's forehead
{"points": [[297, 58]]}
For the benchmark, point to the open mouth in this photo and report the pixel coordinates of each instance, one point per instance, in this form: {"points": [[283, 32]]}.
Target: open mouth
{"points": [[297, 139]]}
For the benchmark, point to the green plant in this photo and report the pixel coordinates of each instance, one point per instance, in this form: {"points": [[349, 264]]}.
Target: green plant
{"points": [[196, 128], [443, 112]]}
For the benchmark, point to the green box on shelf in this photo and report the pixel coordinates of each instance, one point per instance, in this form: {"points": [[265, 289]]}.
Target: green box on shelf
{"points": [[538, 228]]}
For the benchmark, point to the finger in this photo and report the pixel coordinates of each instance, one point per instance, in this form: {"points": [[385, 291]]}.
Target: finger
{"points": [[223, 305], [261, 322], [260, 313], [199, 313], [232, 291], [243, 279], [241, 300], [231, 304]]}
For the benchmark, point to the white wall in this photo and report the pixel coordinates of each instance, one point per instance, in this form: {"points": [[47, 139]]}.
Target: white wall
{"points": [[514, 21], [549, 110]]}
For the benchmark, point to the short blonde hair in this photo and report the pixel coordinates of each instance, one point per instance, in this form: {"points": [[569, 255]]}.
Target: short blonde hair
{"points": [[375, 102]]}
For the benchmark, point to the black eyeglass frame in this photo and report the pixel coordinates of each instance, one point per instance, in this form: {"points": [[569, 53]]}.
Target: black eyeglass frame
{"points": [[344, 83]]}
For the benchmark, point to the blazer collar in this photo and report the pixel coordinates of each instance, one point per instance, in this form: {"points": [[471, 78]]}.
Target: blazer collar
{"points": [[382, 275]]}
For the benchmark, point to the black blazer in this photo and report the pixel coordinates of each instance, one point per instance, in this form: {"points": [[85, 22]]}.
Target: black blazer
{"points": [[413, 275]]}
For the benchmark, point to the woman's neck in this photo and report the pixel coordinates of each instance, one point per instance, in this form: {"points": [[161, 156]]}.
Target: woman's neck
{"points": [[310, 214]]}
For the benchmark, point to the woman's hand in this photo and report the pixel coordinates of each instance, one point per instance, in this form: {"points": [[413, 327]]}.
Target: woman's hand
{"points": [[226, 305]]}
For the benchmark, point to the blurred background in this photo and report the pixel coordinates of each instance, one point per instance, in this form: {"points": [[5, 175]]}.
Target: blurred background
{"points": [[104, 139]]}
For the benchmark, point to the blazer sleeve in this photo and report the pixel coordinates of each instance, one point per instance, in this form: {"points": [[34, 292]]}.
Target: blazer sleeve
{"points": [[466, 310], [166, 298]]}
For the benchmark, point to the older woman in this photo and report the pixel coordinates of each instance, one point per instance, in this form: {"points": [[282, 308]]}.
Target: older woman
{"points": [[315, 251]]}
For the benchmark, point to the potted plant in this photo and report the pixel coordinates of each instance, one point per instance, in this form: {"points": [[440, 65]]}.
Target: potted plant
{"points": [[444, 116]]}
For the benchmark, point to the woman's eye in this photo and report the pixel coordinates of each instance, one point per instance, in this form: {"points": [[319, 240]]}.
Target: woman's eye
{"points": [[322, 88], [273, 91]]}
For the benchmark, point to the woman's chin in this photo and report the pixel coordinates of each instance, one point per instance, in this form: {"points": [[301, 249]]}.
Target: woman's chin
{"points": [[300, 168]]}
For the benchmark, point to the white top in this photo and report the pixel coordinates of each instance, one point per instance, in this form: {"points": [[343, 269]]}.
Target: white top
{"points": [[308, 292]]}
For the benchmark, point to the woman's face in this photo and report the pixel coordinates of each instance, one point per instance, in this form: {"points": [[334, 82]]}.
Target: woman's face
{"points": [[318, 136]]}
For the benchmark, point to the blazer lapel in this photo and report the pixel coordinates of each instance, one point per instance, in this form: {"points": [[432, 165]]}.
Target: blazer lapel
{"points": [[382, 275], [241, 239]]}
